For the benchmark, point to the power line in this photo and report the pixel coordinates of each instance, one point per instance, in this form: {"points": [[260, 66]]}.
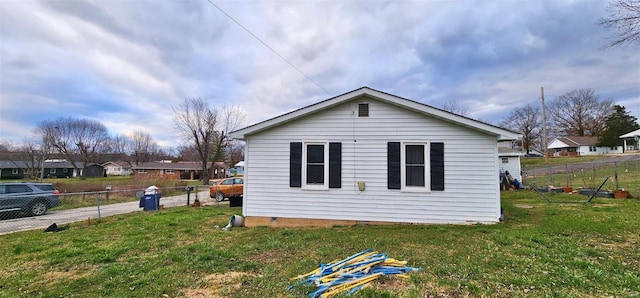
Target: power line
{"points": [[268, 47]]}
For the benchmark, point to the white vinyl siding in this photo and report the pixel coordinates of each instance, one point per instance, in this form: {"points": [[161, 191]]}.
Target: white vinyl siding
{"points": [[470, 169]]}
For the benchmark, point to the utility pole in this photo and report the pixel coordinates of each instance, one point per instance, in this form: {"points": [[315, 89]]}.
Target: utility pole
{"points": [[544, 128]]}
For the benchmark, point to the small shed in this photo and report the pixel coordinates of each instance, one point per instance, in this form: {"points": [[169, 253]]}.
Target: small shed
{"points": [[368, 156], [510, 162]]}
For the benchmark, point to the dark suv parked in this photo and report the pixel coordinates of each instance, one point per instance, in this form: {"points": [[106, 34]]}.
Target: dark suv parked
{"points": [[27, 197]]}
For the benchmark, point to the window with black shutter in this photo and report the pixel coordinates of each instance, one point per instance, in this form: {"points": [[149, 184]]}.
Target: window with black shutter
{"points": [[415, 166], [437, 166], [295, 164], [315, 165]]}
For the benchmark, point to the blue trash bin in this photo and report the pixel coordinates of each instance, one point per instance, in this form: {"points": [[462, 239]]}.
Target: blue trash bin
{"points": [[151, 202]]}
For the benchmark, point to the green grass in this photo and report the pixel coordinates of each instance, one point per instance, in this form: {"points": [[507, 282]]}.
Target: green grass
{"points": [[560, 160], [541, 250], [628, 176]]}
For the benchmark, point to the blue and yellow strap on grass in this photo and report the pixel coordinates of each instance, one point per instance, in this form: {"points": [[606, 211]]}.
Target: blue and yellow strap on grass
{"points": [[349, 275]]}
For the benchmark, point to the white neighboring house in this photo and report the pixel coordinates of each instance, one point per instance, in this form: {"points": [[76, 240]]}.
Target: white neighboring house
{"points": [[510, 160], [367, 157], [631, 140], [117, 168], [580, 146]]}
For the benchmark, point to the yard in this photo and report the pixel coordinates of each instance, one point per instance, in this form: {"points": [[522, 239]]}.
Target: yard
{"points": [[541, 250]]}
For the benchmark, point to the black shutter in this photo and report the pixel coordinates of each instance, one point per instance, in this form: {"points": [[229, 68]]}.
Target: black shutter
{"points": [[295, 164], [437, 166], [393, 165], [335, 165]]}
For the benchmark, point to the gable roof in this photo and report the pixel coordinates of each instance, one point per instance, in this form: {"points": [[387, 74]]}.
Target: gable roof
{"points": [[116, 163], [500, 133], [578, 141]]}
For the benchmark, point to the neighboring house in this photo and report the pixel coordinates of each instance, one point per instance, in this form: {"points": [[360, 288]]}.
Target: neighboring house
{"points": [[10, 169], [59, 169], [93, 170], [369, 156], [631, 140], [168, 170], [510, 161], [52, 169], [117, 168], [580, 146], [236, 170]]}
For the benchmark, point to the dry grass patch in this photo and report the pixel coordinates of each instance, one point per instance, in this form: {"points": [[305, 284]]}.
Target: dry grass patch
{"points": [[218, 285]]}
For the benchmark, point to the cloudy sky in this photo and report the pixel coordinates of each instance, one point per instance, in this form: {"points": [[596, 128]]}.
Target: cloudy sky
{"points": [[126, 63]]}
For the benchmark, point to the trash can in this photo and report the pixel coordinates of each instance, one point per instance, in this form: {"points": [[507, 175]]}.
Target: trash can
{"points": [[151, 202], [235, 202], [151, 198]]}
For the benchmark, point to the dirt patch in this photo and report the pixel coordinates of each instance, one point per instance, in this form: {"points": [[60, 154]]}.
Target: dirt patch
{"points": [[70, 274], [393, 284], [268, 257], [218, 285], [523, 206]]}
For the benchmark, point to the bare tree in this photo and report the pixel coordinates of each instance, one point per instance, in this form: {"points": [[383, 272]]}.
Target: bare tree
{"points": [[624, 19], [187, 153], [453, 106], [579, 113], [196, 122], [235, 152], [135, 148], [32, 158], [527, 121], [142, 147], [75, 137], [231, 117], [205, 128]]}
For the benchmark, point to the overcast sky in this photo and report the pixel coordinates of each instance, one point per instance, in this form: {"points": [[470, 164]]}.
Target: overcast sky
{"points": [[126, 63]]}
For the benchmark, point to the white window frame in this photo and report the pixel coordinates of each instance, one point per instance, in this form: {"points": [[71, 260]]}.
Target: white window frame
{"points": [[427, 168], [170, 172], [505, 159], [142, 171], [325, 185]]}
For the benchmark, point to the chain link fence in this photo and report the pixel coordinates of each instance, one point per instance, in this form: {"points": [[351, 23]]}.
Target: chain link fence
{"points": [[619, 175], [90, 207]]}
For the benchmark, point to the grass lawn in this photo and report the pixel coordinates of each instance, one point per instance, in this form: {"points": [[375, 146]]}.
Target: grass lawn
{"points": [[541, 250]]}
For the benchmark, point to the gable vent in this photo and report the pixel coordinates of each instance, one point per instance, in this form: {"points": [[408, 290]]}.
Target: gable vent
{"points": [[363, 110]]}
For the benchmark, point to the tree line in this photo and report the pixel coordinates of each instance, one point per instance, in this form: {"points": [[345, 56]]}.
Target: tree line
{"points": [[84, 141]]}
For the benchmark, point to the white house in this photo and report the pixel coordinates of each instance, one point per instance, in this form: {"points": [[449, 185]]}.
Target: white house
{"points": [[117, 168], [368, 157], [631, 140], [580, 146]]}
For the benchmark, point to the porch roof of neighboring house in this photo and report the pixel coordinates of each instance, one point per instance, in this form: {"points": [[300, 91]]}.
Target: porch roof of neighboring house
{"points": [[632, 134], [502, 151]]}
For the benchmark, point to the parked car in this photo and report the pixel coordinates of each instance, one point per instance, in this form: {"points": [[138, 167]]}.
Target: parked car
{"points": [[227, 188], [28, 197]]}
